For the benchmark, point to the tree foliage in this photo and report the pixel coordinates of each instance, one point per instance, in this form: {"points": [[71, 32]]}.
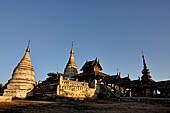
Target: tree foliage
{"points": [[1, 85]]}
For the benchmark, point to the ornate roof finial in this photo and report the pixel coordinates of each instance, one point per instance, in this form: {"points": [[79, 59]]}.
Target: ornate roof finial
{"points": [[28, 47], [144, 62], [29, 43], [72, 51]]}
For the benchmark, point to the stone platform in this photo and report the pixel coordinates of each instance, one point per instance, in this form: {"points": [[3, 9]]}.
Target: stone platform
{"points": [[5, 98]]}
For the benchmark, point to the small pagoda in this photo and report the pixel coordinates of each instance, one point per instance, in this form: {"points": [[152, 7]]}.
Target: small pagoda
{"points": [[71, 67], [146, 77]]}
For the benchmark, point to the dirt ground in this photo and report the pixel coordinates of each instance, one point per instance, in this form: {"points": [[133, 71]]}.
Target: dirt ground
{"points": [[70, 106]]}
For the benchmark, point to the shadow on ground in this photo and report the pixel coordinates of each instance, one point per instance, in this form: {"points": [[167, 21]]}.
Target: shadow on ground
{"points": [[70, 106]]}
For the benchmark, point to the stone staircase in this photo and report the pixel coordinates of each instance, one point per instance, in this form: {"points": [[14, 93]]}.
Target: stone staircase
{"points": [[106, 92]]}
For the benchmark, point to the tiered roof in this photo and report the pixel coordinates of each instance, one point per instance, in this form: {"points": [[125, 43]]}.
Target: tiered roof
{"points": [[90, 65]]}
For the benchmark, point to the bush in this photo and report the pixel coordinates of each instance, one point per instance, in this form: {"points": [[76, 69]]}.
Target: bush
{"points": [[1, 85]]}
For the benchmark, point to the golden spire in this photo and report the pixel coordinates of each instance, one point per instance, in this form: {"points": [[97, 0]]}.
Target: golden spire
{"points": [[28, 47], [71, 67], [71, 61], [72, 51]]}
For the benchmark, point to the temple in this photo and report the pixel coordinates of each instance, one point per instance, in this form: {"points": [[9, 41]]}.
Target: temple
{"points": [[71, 67], [91, 72], [23, 78], [91, 82]]}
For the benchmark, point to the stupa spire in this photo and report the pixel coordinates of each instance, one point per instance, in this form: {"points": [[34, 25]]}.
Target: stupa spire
{"points": [[143, 57], [71, 67], [28, 47], [146, 77], [72, 51]]}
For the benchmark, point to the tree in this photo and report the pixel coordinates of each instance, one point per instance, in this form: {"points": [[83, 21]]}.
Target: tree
{"points": [[1, 86]]}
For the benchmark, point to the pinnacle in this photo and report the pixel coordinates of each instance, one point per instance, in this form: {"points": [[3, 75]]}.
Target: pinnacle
{"points": [[71, 61], [71, 67], [72, 51], [28, 48]]}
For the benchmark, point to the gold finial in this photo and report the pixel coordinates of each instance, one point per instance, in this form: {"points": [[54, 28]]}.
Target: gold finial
{"points": [[72, 52], [28, 43], [28, 47]]}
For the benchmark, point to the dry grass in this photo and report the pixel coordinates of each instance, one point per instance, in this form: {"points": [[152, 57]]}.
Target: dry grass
{"points": [[68, 106]]}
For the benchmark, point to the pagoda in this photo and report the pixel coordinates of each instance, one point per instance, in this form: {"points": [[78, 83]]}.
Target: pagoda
{"points": [[23, 78], [71, 67], [146, 77]]}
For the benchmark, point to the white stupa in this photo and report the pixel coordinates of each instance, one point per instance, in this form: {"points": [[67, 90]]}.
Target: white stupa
{"points": [[23, 78]]}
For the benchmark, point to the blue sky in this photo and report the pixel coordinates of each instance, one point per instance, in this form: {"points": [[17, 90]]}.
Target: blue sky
{"points": [[115, 31]]}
